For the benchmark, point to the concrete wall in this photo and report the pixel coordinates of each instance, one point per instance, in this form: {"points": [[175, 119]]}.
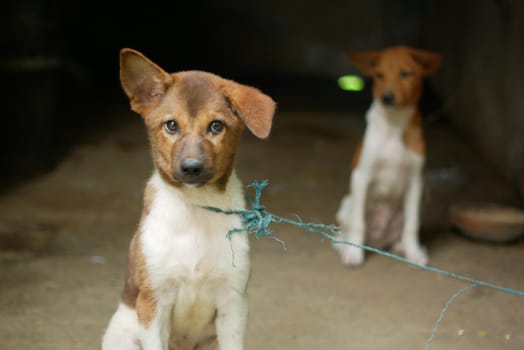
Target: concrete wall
{"points": [[482, 80]]}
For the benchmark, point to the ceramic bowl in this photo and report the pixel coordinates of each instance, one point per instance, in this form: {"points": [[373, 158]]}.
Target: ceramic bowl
{"points": [[488, 221]]}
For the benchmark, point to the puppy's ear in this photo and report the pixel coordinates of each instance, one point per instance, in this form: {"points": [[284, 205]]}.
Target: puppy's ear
{"points": [[428, 60], [143, 81], [365, 61], [252, 106]]}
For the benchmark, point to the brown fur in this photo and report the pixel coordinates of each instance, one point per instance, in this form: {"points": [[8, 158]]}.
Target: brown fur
{"points": [[413, 136], [254, 108], [193, 99], [145, 307], [399, 70], [136, 279], [356, 157], [217, 151], [144, 93], [130, 291], [137, 292], [135, 273]]}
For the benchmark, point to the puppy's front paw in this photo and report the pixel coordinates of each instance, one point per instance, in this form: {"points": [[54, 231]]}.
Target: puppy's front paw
{"points": [[123, 343], [417, 254], [350, 256], [413, 252]]}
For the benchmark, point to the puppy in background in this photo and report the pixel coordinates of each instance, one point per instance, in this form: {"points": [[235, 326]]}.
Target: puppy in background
{"points": [[382, 207], [185, 285]]}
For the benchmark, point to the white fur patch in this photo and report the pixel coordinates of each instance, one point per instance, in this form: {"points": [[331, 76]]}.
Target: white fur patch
{"points": [[122, 332], [192, 264]]}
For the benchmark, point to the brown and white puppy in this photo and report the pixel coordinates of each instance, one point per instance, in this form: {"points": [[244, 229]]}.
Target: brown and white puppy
{"points": [[382, 207], [185, 286]]}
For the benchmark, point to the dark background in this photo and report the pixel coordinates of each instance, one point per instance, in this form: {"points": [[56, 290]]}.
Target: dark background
{"points": [[59, 64]]}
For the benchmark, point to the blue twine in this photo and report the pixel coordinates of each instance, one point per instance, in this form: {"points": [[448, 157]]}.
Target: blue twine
{"points": [[257, 221], [443, 312]]}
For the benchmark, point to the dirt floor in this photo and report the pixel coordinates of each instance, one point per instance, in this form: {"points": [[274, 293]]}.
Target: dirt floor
{"points": [[64, 237]]}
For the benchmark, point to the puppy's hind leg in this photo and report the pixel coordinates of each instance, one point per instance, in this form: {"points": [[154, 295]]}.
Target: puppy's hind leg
{"points": [[122, 332]]}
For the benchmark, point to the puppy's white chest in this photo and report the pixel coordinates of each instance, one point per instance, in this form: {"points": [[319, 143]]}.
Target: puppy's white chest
{"points": [[393, 158], [189, 258], [390, 163], [184, 244]]}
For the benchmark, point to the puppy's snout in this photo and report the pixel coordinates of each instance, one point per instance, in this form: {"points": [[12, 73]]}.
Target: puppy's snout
{"points": [[191, 167], [388, 98]]}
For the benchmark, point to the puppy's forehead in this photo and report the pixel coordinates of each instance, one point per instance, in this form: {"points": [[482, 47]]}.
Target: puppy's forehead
{"points": [[395, 57], [197, 90]]}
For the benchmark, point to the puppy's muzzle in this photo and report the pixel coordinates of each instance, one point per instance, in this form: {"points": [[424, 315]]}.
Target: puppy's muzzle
{"points": [[192, 168], [388, 99], [192, 172]]}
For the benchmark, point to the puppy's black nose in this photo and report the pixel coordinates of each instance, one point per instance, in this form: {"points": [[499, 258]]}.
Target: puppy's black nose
{"points": [[192, 167], [388, 99]]}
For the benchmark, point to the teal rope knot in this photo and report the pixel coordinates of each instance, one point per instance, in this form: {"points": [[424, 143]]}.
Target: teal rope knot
{"points": [[256, 220]]}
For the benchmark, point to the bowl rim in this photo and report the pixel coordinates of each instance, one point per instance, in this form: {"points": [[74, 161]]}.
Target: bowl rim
{"points": [[461, 210]]}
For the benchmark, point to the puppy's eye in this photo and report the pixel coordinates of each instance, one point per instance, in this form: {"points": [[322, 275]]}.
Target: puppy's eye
{"points": [[379, 76], [216, 127], [171, 127], [405, 74]]}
